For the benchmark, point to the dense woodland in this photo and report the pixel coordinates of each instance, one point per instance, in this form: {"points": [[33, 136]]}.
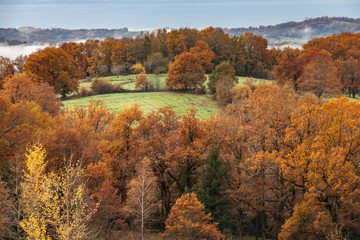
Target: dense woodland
{"points": [[280, 160]]}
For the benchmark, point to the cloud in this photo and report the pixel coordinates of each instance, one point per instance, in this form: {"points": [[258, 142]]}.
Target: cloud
{"points": [[14, 51]]}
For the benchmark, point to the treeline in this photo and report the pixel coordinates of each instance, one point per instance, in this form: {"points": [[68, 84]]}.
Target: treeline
{"points": [[273, 164], [325, 66]]}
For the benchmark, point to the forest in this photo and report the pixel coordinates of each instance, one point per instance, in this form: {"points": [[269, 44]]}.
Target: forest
{"points": [[278, 160]]}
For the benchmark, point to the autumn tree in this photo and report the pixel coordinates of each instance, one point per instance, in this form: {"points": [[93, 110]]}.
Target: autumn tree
{"points": [[157, 63], [138, 68], [53, 66], [288, 67], [142, 81], [213, 191], [187, 220], [70, 211], [205, 55], [24, 88], [156, 135], [21, 123], [6, 69], [186, 159], [185, 72], [224, 69], [349, 73], [77, 52], [175, 42], [6, 211], [320, 77], [223, 90], [219, 42], [142, 195], [116, 146], [36, 196]]}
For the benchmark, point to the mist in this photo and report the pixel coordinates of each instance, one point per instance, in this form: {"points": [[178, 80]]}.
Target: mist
{"points": [[13, 52]]}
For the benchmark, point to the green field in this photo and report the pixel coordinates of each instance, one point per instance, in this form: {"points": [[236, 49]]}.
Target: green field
{"points": [[150, 101], [128, 81]]}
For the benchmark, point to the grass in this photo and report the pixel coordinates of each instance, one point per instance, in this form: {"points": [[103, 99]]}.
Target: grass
{"points": [[128, 81], [150, 101]]}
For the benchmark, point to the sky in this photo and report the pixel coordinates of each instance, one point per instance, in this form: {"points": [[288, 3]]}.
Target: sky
{"points": [[154, 14]]}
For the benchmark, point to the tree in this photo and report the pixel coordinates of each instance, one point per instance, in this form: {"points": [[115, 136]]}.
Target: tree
{"points": [[288, 68], [185, 72], [142, 195], [223, 90], [70, 211], [21, 123], [157, 63], [54, 204], [349, 73], [320, 77], [224, 69], [6, 69], [175, 42], [138, 68], [205, 55], [213, 191], [187, 220], [53, 66], [24, 88], [142, 81], [36, 196], [6, 209]]}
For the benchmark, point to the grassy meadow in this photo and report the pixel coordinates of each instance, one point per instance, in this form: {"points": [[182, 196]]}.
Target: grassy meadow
{"points": [[150, 101]]}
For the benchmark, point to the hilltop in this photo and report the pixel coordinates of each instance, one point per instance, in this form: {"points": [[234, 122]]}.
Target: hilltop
{"points": [[280, 34], [301, 32]]}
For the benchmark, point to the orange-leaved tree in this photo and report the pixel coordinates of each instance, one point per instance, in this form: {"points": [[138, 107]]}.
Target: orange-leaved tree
{"points": [[53, 66], [24, 88], [205, 55], [186, 72], [187, 220], [142, 81], [320, 77]]}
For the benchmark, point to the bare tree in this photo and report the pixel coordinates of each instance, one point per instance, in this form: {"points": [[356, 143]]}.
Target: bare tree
{"points": [[142, 195]]}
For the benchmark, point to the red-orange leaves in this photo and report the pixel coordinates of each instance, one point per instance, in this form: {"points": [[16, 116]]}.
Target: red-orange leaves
{"points": [[185, 72]]}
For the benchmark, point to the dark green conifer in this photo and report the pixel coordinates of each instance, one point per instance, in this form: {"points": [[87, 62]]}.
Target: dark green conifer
{"points": [[213, 193]]}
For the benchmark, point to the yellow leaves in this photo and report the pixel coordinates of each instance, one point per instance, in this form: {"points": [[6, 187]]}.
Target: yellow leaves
{"points": [[138, 68], [53, 200]]}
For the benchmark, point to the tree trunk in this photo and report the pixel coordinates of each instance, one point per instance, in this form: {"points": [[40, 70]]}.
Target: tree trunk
{"points": [[262, 219], [241, 216]]}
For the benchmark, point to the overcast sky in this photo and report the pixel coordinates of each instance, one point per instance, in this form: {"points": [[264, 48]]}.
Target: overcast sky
{"points": [[153, 14]]}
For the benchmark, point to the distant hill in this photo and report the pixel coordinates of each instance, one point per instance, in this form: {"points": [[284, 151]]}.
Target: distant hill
{"points": [[300, 32], [15, 36], [290, 33]]}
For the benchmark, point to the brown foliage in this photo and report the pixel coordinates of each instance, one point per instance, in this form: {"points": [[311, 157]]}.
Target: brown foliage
{"points": [[320, 77], [185, 72], [205, 55], [24, 88], [187, 220], [53, 66]]}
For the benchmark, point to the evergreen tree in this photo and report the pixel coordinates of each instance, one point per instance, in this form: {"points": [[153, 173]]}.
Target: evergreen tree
{"points": [[213, 193]]}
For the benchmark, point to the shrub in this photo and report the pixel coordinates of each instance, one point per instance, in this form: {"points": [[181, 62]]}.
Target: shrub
{"points": [[101, 86]]}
